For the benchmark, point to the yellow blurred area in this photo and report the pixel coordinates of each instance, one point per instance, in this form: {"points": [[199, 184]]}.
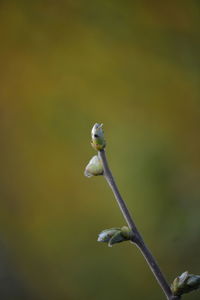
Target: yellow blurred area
{"points": [[66, 65]]}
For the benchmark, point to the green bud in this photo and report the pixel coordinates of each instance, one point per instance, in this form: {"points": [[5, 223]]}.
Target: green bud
{"points": [[115, 235], [185, 283], [98, 140], [94, 167]]}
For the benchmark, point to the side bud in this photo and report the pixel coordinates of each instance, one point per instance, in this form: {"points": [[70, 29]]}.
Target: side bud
{"points": [[185, 283], [115, 235], [94, 167]]}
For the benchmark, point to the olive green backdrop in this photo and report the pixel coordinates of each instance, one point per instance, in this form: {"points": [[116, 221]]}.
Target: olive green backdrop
{"points": [[135, 66]]}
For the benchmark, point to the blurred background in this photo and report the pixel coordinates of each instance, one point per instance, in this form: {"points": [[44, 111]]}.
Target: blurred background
{"points": [[135, 66]]}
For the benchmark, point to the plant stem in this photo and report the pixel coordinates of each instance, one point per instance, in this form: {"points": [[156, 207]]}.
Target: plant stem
{"points": [[137, 238]]}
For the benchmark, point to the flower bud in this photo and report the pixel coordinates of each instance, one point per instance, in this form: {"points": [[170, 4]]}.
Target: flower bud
{"points": [[98, 140], [107, 234], [115, 235], [94, 167], [185, 283]]}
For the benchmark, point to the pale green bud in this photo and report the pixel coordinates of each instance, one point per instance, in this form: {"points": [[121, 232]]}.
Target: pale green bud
{"points": [[115, 235], [98, 140], [185, 283], [94, 167]]}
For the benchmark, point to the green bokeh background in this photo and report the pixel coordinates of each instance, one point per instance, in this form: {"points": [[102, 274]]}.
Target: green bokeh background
{"points": [[135, 66]]}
